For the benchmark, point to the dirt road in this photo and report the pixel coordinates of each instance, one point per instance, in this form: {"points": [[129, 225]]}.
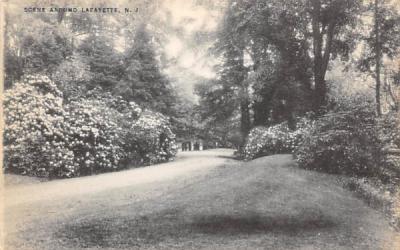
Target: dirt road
{"points": [[203, 200]]}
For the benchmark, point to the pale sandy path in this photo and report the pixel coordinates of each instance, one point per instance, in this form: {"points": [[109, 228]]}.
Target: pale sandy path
{"points": [[186, 163]]}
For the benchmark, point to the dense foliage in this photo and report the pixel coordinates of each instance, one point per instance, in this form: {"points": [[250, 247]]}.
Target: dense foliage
{"points": [[390, 129], [274, 58], [349, 139], [153, 138], [345, 140], [98, 110], [389, 126], [275, 65], [34, 118], [81, 51], [97, 133], [142, 79], [276, 139]]}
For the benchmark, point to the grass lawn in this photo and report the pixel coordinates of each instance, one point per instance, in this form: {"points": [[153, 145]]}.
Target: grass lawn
{"points": [[267, 203]]}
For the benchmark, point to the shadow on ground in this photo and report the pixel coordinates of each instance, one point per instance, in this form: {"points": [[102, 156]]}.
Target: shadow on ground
{"points": [[231, 157], [172, 225]]}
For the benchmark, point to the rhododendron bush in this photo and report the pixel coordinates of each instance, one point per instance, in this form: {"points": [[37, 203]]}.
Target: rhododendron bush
{"points": [[344, 141], [390, 136], [93, 136], [34, 115], [154, 139], [97, 133], [275, 139]]}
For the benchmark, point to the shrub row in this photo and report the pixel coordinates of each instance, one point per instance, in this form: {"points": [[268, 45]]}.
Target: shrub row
{"points": [[96, 133], [346, 140], [276, 139], [343, 142]]}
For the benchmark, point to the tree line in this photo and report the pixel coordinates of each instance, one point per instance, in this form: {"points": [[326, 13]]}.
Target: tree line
{"points": [[275, 56], [81, 51]]}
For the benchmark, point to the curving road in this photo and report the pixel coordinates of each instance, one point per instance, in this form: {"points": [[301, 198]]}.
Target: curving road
{"points": [[203, 200]]}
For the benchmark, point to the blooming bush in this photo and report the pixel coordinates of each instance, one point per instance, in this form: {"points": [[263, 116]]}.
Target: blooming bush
{"points": [[389, 126], [390, 129], [275, 139], [96, 133], [93, 136], [345, 140], [33, 137], [154, 140], [72, 77]]}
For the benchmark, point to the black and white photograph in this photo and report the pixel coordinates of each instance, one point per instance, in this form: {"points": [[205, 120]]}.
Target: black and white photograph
{"points": [[200, 124]]}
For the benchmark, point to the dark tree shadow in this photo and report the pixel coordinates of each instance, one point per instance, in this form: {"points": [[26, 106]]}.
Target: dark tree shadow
{"points": [[260, 224], [232, 157], [153, 229]]}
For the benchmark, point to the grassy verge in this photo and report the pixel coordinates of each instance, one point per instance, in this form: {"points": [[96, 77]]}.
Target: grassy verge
{"points": [[381, 196]]}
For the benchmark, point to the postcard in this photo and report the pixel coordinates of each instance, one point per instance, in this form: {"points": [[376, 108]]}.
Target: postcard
{"points": [[200, 124]]}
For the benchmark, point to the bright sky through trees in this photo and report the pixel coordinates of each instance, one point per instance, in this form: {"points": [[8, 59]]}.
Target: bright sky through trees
{"points": [[186, 47]]}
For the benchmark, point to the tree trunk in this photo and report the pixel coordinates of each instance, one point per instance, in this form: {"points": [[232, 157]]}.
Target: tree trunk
{"points": [[244, 98], [390, 92], [245, 124], [321, 55], [320, 88], [320, 91], [261, 113], [377, 61]]}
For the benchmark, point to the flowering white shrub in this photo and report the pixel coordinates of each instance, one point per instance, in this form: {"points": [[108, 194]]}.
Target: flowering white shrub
{"points": [[33, 137], [93, 134], [154, 139], [275, 139], [344, 141]]}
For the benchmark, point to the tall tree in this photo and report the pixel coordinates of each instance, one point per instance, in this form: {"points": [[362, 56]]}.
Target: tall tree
{"points": [[328, 19], [295, 27], [104, 61], [230, 46], [393, 88], [37, 48], [143, 79], [378, 58], [382, 40], [281, 61]]}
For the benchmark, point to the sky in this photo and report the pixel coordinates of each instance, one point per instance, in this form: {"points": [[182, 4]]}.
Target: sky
{"points": [[192, 26]]}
